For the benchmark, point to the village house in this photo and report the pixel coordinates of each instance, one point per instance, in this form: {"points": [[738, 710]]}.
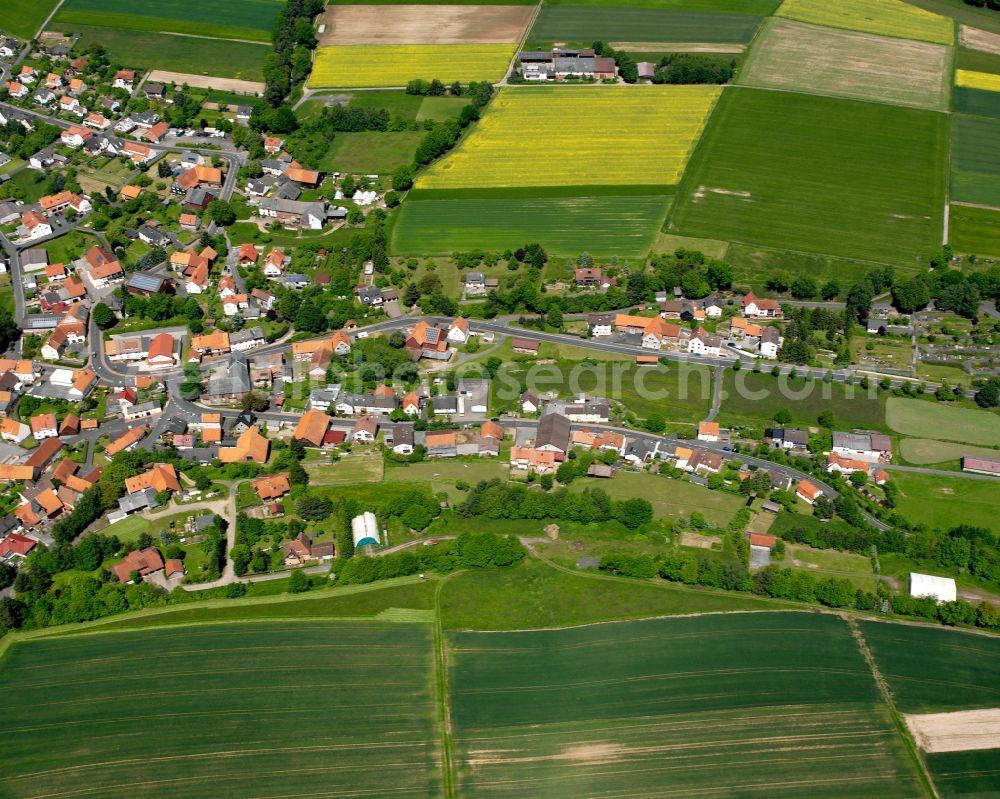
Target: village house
{"points": [[365, 430], [250, 447], [271, 487], [312, 428], [756, 307], [808, 492], [143, 562]]}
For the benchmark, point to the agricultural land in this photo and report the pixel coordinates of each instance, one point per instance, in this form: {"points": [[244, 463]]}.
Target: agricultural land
{"points": [[884, 17], [416, 24], [975, 160], [362, 66], [23, 18], [963, 425]]}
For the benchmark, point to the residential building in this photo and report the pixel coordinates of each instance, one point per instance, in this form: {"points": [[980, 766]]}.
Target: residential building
{"points": [[365, 430], [251, 447]]}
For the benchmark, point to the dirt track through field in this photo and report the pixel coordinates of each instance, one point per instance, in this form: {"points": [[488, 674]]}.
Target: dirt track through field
{"points": [[961, 731], [423, 24], [977, 39], [206, 82]]}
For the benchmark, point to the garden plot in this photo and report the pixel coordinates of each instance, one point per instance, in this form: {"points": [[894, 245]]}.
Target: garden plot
{"points": [[815, 60], [421, 24]]}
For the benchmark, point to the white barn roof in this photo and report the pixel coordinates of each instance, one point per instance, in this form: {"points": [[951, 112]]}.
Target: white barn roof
{"points": [[364, 529], [940, 588]]}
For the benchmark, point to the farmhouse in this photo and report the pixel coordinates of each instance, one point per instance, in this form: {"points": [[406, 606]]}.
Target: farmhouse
{"points": [[294, 214]]}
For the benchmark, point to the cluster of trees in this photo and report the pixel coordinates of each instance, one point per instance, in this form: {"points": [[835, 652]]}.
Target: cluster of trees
{"points": [[433, 88], [444, 135], [495, 499], [18, 142], [161, 307], [627, 67], [250, 532], [951, 290], [984, 615], [469, 550], [689, 68], [294, 38], [993, 5]]}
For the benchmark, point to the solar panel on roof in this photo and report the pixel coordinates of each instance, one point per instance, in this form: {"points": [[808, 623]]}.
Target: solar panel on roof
{"points": [[145, 282]]}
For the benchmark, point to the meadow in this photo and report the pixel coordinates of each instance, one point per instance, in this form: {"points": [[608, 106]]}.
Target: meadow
{"points": [[883, 17], [363, 66], [924, 451], [762, 175], [975, 160], [974, 230], [913, 417], [945, 502], [658, 707], [586, 24], [671, 499], [370, 153], [813, 60], [602, 225], [220, 58], [749, 398], [222, 19], [23, 18], [576, 135], [190, 701]]}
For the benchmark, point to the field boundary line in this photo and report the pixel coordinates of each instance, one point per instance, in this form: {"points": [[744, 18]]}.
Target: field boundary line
{"points": [[443, 699], [897, 719]]}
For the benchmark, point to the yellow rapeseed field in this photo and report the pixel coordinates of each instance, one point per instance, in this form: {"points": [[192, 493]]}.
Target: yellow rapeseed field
{"points": [[977, 80], [579, 135], [884, 17], [372, 66]]}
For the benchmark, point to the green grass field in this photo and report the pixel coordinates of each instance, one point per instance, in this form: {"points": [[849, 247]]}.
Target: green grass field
{"points": [[922, 418], [884, 17], [23, 18], [351, 469], [601, 224], [191, 700], [222, 19], [926, 451], [974, 230], [751, 398], [670, 498], [805, 58], [975, 160], [762, 175], [224, 59], [585, 24], [976, 60], [370, 153], [945, 502], [977, 102], [658, 708], [440, 108], [824, 563]]}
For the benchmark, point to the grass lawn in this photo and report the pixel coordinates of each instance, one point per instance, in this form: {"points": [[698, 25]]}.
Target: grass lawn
{"points": [[945, 502], [31, 182], [247, 232], [974, 230], [943, 373], [670, 498], [148, 676], [752, 399], [825, 563], [946, 422], [358, 467], [129, 528], [13, 164], [926, 451], [761, 175], [23, 18], [69, 247], [371, 153], [150, 50], [440, 108]]}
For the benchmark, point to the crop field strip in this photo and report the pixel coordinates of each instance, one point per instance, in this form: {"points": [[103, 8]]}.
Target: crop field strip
{"points": [[934, 670], [416, 24], [22, 18], [975, 101], [586, 24], [761, 175], [658, 708], [757, 8], [262, 709], [883, 17], [250, 20], [806, 58], [977, 39], [377, 66], [602, 225], [974, 230], [977, 80], [576, 138], [975, 160]]}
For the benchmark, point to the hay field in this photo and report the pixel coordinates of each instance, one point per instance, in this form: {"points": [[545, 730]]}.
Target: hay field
{"points": [[599, 224], [586, 24], [945, 502], [818, 175], [977, 80], [579, 136], [923, 451], [662, 708], [975, 160], [791, 55], [912, 417], [883, 17], [254, 709], [421, 24], [377, 66], [974, 230]]}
